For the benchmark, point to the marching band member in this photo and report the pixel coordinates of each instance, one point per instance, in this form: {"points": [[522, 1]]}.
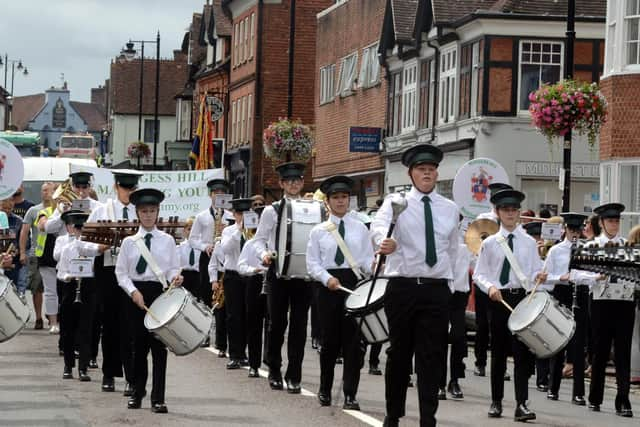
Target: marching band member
{"points": [[189, 261], [250, 266], [458, 328], [287, 296], [81, 186], [233, 240], [116, 346], [327, 264], [494, 187], [216, 273], [138, 280], [557, 267], [612, 317], [421, 254], [76, 319], [497, 278]]}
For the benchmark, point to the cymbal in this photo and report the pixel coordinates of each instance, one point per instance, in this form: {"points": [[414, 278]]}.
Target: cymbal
{"points": [[477, 231]]}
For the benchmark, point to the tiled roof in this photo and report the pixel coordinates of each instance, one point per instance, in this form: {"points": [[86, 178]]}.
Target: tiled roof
{"points": [[25, 108], [92, 114], [125, 85], [404, 18], [222, 21]]}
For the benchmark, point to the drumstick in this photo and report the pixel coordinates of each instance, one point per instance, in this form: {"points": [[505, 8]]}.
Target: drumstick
{"points": [[535, 288], [174, 280], [506, 304], [148, 310], [349, 291]]}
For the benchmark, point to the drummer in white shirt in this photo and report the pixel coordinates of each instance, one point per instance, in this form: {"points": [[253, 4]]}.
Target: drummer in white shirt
{"points": [[421, 254], [327, 264], [496, 277], [139, 281]]}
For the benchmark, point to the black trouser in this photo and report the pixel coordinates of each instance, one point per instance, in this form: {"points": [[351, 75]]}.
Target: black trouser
{"points": [[60, 290], [543, 370], [205, 293], [502, 341], [481, 343], [288, 297], [116, 331], [612, 321], [143, 341], [256, 314], [316, 333], [234, 297], [457, 337], [339, 332], [374, 354], [418, 322], [578, 342], [564, 295], [191, 282], [78, 319], [96, 327]]}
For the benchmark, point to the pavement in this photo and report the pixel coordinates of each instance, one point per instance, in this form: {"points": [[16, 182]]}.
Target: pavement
{"points": [[201, 392]]}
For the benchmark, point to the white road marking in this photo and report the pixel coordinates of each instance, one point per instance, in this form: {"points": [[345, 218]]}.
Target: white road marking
{"points": [[367, 419]]}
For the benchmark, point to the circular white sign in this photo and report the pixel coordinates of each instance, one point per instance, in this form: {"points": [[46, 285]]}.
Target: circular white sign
{"points": [[471, 185], [11, 169], [216, 107]]}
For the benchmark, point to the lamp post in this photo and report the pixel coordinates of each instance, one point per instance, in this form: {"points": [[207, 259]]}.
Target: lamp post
{"points": [[129, 54], [568, 74], [13, 62]]}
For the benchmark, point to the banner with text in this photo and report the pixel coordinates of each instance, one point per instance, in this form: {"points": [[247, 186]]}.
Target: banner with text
{"points": [[185, 192]]}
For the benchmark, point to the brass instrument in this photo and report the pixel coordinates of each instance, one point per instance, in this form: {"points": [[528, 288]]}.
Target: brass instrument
{"points": [[477, 231], [217, 299], [64, 193]]}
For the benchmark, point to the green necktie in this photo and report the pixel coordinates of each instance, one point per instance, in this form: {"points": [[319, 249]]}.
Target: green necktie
{"points": [[339, 259], [506, 267], [192, 257], [142, 263], [431, 256], [125, 213]]}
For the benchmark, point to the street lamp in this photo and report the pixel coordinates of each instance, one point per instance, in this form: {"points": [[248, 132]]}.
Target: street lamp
{"points": [[13, 62], [568, 74], [129, 54]]}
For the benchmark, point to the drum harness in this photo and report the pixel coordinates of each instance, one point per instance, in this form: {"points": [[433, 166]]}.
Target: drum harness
{"points": [[153, 265], [512, 261], [331, 228]]}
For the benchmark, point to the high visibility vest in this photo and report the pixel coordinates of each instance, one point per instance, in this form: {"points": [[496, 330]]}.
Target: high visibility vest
{"points": [[42, 236]]}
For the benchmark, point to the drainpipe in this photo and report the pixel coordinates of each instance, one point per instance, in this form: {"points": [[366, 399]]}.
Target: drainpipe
{"points": [[258, 116], [292, 39]]}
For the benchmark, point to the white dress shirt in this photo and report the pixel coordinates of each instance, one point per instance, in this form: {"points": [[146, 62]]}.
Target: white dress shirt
{"points": [[491, 258], [184, 251], [322, 248], [265, 236], [461, 269], [55, 224], [163, 250], [203, 229], [250, 261], [72, 248], [408, 260], [557, 264], [230, 246], [60, 243], [216, 262], [104, 212]]}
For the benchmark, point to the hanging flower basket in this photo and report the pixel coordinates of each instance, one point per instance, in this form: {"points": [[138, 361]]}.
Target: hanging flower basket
{"points": [[566, 105], [288, 140], [138, 149]]}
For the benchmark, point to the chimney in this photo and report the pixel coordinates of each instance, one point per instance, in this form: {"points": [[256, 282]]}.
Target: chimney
{"points": [[64, 86]]}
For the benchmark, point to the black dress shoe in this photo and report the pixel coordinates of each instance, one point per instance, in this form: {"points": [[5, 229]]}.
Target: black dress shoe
{"points": [[454, 390], [593, 407], [495, 410], [128, 390], [324, 398], [134, 403], [293, 387], [479, 371], [351, 403], [523, 413], [339, 361], [442, 394], [67, 374], [159, 408], [552, 396], [108, 384], [410, 383], [624, 410], [244, 362], [253, 373], [374, 370], [222, 354], [234, 364], [206, 342], [93, 364], [543, 388], [390, 422], [275, 380], [82, 375], [578, 400], [507, 377], [315, 343]]}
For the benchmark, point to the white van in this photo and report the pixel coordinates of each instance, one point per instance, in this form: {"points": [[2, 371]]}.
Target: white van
{"points": [[38, 170]]}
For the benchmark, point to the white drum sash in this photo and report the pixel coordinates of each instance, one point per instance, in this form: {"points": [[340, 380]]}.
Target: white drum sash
{"points": [[153, 265], [331, 228], [512, 261]]}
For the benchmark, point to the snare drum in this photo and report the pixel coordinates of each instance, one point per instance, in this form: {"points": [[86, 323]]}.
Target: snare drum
{"points": [[181, 323], [374, 320], [14, 311], [542, 324], [298, 218]]}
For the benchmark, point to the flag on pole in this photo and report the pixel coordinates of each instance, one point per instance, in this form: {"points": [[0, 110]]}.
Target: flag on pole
{"points": [[194, 156], [201, 155]]}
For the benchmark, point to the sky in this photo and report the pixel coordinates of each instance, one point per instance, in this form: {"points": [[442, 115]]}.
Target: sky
{"points": [[79, 38]]}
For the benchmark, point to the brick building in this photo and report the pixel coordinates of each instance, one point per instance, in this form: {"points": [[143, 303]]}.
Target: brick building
{"points": [[350, 92], [459, 78], [123, 104], [273, 49], [620, 136]]}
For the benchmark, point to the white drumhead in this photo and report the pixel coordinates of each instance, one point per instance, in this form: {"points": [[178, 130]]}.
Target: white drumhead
{"points": [[4, 283], [358, 300], [165, 307], [526, 312]]}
